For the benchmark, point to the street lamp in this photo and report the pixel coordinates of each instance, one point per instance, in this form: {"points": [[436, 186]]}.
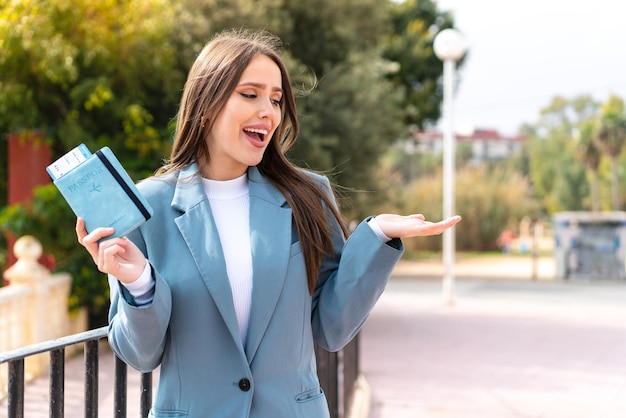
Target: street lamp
{"points": [[449, 47]]}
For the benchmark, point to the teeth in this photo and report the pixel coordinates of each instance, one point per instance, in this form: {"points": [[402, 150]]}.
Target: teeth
{"points": [[258, 131]]}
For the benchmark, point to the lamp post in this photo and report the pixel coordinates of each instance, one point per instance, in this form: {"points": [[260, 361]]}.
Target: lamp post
{"points": [[449, 47]]}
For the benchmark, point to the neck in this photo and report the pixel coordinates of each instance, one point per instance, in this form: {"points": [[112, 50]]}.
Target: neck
{"points": [[223, 173]]}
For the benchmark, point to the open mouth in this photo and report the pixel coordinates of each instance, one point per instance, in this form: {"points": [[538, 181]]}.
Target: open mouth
{"points": [[259, 133]]}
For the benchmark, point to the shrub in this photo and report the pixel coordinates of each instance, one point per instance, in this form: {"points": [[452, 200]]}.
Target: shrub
{"points": [[488, 199]]}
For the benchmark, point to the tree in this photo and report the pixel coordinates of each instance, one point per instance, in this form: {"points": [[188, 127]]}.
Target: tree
{"points": [[78, 71], [609, 137], [345, 128], [589, 155], [198, 20], [409, 44], [324, 33], [556, 175]]}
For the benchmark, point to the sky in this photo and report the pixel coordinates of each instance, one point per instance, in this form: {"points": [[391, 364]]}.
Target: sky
{"points": [[521, 54]]}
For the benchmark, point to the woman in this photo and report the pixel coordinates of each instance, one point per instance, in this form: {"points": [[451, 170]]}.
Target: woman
{"points": [[244, 264]]}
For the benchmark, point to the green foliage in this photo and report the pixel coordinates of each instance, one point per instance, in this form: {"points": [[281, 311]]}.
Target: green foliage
{"points": [[51, 221], [488, 199], [323, 34], [346, 128], [589, 155], [573, 135], [557, 176], [609, 137], [77, 70], [196, 21], [586, 150], [492, 199], [611, 130], [410, 44]]}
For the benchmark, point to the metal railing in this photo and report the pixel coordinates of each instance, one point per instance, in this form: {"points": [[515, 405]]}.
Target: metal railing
{"points": [[56, 348], [338, 373]]}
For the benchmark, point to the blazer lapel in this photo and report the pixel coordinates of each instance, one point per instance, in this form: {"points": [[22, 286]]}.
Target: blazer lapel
{"points": [[205, 248], [270, 235]]}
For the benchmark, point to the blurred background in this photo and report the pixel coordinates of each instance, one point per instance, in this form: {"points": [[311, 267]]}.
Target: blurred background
{"points": [[538, 109]]}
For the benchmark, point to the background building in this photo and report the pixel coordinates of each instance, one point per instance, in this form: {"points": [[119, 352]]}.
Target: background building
{"points": [[485, 144]]}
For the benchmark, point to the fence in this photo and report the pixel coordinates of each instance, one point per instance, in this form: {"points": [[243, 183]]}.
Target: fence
{"points": [[56, 348]]}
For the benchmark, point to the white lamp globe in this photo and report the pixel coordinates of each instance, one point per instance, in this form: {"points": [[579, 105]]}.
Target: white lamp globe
{"points": [[449, 44]]}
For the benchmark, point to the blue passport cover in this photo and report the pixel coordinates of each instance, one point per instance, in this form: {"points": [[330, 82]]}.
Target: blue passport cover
{"points": [[101, 192]]}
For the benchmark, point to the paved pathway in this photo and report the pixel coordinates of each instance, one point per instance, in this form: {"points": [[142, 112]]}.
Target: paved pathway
{"points": [[506, 348]]}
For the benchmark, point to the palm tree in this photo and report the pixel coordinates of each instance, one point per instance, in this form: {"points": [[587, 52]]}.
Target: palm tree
{"points": [[609, 137], [589, 155]]}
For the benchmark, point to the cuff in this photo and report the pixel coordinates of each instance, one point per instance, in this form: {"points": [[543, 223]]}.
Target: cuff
{"points": [[376, 229], [142, 289]]}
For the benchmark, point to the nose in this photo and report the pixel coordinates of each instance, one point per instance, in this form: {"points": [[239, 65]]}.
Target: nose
{"points": [[267, 109]]}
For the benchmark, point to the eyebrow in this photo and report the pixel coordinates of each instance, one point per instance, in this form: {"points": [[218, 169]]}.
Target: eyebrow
{"points": [[260, 86]]}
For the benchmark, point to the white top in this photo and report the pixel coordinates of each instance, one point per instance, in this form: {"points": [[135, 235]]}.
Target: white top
{"points": [[230, 205]]}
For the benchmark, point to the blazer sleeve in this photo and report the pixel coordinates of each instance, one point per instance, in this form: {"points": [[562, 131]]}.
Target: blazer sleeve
{"points": [[350, 283], [137, 334]]}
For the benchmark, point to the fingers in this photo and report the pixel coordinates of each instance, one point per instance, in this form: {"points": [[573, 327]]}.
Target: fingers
{"points": [[121, 258], [414, 225], [91, 240], [453, 220], [116, 256], [109, 252], [80, 230], [81, 233], [87, 239], [425, 228]]}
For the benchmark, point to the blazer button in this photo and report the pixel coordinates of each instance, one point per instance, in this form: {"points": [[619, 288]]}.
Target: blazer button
{"points": [[244, 384]]}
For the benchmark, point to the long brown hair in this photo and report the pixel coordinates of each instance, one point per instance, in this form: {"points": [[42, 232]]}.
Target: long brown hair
{"points": [[211, 81]]}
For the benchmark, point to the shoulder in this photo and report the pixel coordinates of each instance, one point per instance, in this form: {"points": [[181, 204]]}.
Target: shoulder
{"points": [[157, 185], [321, 180], [163, 188], [320, 185]]}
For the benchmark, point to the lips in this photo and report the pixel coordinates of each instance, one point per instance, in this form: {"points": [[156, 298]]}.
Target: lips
{"points": [[258, 133]]}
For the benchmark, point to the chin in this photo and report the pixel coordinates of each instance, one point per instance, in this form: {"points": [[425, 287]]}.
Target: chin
{"points": [[255, 160]]}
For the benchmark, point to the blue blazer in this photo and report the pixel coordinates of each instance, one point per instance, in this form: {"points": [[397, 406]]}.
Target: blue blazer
{"points": [[190, 328]]}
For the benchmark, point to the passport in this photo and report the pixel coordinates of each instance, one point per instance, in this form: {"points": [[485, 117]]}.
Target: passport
{"points": [[99, 190]]}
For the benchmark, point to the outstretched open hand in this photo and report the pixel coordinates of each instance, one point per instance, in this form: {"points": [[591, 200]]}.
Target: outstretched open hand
{"points": [[398, 226], [116, 256]]}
